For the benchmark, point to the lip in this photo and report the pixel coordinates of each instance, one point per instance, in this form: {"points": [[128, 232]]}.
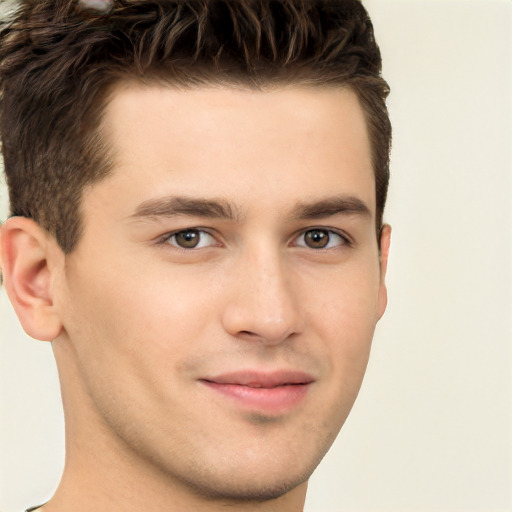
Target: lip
{"points": [[268, 392]]}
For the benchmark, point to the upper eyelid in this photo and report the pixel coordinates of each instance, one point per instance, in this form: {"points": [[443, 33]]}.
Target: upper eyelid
{"points": [[169, 234], [163, 240], [348, 239], [213, 233]]}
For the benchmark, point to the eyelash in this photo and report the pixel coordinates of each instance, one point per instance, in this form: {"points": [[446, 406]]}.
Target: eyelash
{"points": [[345, 241], [166, 239]]}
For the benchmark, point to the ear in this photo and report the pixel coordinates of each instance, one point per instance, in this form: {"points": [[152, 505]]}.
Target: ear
{"points": [[28, 260], [385, 242]]}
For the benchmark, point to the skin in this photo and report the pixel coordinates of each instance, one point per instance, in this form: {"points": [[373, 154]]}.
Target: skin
{"points": [[139, 322]]}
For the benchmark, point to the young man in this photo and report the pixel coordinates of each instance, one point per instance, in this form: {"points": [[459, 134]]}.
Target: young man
{"points": [[197, 191]]}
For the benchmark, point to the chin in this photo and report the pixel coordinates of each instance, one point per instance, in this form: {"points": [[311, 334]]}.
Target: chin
{"points": [[233, 491], [268, 480]]}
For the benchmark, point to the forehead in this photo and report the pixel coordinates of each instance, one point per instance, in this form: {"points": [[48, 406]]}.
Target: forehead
{"points": [[282, 142]]}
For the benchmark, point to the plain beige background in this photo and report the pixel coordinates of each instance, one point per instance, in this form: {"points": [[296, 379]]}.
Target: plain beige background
{"points": [[431, 430]]}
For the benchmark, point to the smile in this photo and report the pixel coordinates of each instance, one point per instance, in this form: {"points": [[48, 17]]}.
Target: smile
{"points": [[273, 393]]}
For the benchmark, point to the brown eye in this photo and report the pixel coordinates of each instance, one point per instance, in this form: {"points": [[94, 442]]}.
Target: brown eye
{"points": [[187, 239], [319, 238], [191, 239], [316, 238]]}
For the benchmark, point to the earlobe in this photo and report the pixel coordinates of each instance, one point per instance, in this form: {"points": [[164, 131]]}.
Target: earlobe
{"points": [[27, 252], [385, 242]]}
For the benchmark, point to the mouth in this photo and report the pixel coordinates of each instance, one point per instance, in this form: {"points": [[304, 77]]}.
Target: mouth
{"points": [[269, 392]]}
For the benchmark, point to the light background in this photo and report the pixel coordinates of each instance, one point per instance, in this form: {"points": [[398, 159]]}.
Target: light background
{"points": [[431, 430]]}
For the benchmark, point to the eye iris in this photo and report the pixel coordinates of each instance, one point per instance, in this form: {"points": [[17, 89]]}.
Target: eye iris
{"points": [[317, 239], [187, 239]]}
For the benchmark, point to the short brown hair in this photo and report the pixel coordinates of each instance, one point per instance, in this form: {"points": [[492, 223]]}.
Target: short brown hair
{"points": [[58, 61]]}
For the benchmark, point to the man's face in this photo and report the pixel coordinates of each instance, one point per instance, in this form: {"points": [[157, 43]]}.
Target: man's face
{"points": [[219, 309]]}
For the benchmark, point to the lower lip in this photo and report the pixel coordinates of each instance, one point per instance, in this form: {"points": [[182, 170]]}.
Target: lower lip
{"points": [[276, 400]]}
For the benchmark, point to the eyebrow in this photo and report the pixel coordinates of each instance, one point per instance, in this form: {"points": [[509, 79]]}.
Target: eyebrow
{"points": [[188, 206], [331, 206], [221, 209]]}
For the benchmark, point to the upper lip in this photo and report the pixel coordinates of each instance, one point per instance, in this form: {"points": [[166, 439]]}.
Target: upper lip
{"points": [[262, 379]]}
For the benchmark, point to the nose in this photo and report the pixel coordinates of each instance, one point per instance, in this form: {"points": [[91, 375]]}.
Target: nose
{"points": [[262, 303]]}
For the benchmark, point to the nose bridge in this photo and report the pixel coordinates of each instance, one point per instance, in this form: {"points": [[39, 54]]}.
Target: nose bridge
{"points": [[264, 304]]}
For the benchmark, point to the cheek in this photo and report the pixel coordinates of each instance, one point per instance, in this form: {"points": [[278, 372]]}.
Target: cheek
{"points": [[344, 306], [349, 340], [130, 336], [127, 338], [343, 317], [129, 307]]}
